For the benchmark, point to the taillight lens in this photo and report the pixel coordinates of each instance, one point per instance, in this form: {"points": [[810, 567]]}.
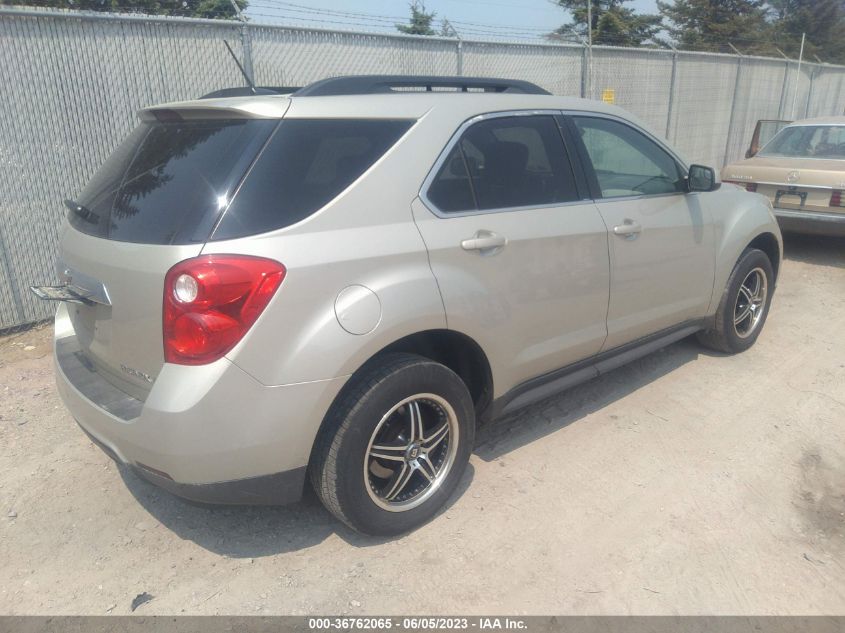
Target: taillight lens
{"points": [[836, 198], [211, 301]]}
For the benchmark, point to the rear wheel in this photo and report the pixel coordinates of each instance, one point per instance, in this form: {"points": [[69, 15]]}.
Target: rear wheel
{"points": [[394, 445], [744, 305]]}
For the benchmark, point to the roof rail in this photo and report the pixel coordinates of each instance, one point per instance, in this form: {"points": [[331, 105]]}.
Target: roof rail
{"points": [[246, 91], [381, 84]]}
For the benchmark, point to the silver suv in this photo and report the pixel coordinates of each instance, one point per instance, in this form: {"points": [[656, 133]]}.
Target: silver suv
{"points": [[341, 283]]}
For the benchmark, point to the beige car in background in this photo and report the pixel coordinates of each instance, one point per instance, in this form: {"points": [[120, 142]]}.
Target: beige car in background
{"points": [[802, 171]]}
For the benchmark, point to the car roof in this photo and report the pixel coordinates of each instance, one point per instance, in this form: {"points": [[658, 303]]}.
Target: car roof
{"points": [[383, 106], [380, 96], [822, 120]]}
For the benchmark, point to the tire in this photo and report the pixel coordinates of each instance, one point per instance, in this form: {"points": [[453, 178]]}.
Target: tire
{"points": [[366, 448], [726, 335]]}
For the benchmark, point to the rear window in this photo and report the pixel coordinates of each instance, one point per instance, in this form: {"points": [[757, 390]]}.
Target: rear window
{"points": [[168, 182], [306, 164], [808, 141]]}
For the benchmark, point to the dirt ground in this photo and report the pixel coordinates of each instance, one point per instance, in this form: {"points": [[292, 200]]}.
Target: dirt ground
{"points": [[684, 483]]}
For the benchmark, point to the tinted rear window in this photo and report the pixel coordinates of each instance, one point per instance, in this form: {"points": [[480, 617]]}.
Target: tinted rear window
{"points": [[168, 182], [305, 165]]}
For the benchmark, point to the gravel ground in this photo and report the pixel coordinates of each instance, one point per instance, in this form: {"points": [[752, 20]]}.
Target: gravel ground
{"points": [[684, 483]]}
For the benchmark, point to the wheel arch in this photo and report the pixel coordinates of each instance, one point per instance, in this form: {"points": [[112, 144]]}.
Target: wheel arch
{"points": [[457, 351], [743, 221], [769, 244]]}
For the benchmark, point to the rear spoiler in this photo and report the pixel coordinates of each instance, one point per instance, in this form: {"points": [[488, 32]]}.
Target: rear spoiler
{"points": [[246, 91], [222, 108]]}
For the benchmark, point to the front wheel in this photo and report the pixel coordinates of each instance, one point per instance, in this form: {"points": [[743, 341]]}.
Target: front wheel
{"points": [[394, 445], [744, 305]]}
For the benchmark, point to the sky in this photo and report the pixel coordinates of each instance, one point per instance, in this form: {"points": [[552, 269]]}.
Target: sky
{"points": [[473, 19]]}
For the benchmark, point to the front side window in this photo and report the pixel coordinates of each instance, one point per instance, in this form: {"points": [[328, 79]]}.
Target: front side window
{"points": [[627, 162], [808, 141], [505, 162]]}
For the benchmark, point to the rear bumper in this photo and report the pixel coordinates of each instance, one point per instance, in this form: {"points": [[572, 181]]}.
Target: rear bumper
{"points": [[212, 434], [276, 489], [811, 222]]}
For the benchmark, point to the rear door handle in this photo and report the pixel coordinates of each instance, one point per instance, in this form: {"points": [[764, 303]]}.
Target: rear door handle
{"points": [[484, 241], [628, 229]]}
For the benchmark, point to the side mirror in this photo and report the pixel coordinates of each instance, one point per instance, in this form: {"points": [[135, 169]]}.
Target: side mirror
{"points": [[702, 178]]}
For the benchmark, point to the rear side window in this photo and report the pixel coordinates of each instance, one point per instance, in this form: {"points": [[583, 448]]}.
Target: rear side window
{"points": [[306, 164], [505, 162], [168, 182]]}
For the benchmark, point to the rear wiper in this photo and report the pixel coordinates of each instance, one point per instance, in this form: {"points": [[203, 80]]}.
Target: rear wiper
{"points": [[82, 211]]}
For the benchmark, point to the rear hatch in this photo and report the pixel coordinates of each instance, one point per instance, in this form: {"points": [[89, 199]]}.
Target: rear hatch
{"points": [[792, 183], [152, 204]]}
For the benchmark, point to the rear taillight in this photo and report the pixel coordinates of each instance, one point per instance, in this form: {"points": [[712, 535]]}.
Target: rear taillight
{"points": [[836, 198], [211, 301]]}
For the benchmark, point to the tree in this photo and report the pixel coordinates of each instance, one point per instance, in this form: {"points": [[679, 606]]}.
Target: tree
{"points": [[447, 30], [181, 8], [420, 21], [712, 24], [613, 23], [823, 21]]}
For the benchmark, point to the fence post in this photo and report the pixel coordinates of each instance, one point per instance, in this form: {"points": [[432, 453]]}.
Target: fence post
{"points": [[671, 90], [584, 72], [246, 43], [783, 89], [12, 278], [733, 107], [813, 74], [459, 62]]}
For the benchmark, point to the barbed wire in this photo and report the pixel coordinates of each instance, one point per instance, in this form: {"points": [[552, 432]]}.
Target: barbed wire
{"points": [[281, 12]]}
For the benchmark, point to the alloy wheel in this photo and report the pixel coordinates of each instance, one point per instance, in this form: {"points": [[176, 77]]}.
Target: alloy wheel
{"points": [[750, 303], [411, 452]]}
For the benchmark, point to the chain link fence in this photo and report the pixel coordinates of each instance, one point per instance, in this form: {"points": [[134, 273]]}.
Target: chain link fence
{"points": [[72, 83]]}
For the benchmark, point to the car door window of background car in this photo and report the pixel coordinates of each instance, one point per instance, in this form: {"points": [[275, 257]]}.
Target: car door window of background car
{"points": [[505, 162], [626, 162]]}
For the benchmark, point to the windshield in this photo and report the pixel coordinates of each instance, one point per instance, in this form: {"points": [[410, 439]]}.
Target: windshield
{"points": [[808, 141], [168, 182]]}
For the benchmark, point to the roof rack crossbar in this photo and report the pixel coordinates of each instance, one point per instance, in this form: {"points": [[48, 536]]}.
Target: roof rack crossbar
{"points": [[383, 84]]}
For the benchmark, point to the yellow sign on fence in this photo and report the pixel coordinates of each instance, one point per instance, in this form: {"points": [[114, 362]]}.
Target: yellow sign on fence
{"points": [[608, 95]]}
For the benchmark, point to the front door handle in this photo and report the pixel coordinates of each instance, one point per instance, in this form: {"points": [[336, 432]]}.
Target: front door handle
{"points": [[484, 241], [628, 229]]}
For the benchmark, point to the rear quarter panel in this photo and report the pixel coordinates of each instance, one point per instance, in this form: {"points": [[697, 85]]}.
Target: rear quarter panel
{"points": [[364, 237]]}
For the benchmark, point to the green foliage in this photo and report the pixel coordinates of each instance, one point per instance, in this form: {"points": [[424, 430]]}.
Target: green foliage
{"points": [[710, 25], [613, 23], [420, 21], [822, 20], [182, 8]]}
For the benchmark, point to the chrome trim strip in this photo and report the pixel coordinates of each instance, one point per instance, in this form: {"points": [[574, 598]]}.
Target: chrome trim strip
{"points": [[787, 185], [84, 285], [804, 215], [793, 157], [646, 196]]}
